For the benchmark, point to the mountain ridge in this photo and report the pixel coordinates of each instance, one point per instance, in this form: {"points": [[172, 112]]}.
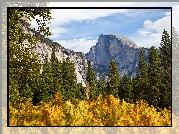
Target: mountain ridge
{"points": [[112, 46], [121, 49]]}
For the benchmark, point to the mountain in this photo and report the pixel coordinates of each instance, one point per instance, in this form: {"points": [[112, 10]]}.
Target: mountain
{"points": [[124, 51], [44, 47]]}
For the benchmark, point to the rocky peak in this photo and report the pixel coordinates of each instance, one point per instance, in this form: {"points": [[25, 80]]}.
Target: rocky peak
{"points": [[125, 40], [124, 51]]}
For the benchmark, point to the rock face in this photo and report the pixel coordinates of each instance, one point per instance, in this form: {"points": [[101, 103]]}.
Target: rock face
{"points": [[44, 47], [78, 58], [124, 51]]}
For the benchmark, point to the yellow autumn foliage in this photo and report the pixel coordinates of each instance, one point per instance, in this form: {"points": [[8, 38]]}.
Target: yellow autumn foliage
{"points": [[107, 111]]}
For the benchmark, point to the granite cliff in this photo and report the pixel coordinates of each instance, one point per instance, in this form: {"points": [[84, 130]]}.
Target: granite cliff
{"points": [[44, 47], [124, 51]]}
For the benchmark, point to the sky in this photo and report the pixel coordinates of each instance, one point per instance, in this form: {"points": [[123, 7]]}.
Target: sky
{"points": [[79, 29]]}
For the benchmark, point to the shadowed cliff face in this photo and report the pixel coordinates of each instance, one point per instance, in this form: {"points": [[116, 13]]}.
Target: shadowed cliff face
{"points": [[124, 51]]}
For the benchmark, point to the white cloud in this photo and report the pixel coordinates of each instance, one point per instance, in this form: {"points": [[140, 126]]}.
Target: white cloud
{"points": [[154, 38], [157, 26], [78, 45], [64, 16], [151, 32], [153, 29], [147, 41], [56, 31]]}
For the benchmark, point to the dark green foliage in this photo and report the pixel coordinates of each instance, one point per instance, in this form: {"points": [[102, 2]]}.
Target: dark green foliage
{"points": [[152, 83], [24, 64], [154, 75], [80, 92], [91, 77], [135, 87], [126, 90], [24, 67], [114, 78], [165, 55], [102, 87], [43, 88], [56, 70], [141, 81], [47, 75], [91, 80], [68, 79], [41, 92]]}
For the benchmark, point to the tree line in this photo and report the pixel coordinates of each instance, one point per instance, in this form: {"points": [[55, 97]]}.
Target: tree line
{"points": [[152, 82]]}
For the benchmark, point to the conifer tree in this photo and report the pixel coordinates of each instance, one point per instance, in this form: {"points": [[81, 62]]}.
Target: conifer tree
{"points": [[56, 73], [68, 79], [154, 73], [47, 74], [114, 78], [80, 92], [44, 85], [102, 87], [91, 80], [165, 55], [141, 90], [126, 89], [41, 93], [135, 87]]}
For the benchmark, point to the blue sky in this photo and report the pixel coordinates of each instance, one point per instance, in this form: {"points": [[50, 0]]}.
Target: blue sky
{"points": [[79, 29]]}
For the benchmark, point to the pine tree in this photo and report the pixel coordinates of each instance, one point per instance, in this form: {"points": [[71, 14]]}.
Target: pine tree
{"points": [[114, 78], [47, 74], [68, 79], [41, 93], [141, 89], [165, 55], [80, 92], [56, 71], [44, 85], [102, 87], [154, 73], [91, 80], [135, 83], [126, 89]]}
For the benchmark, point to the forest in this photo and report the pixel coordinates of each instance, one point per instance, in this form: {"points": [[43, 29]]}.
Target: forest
{"points": [[53, 97]]}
